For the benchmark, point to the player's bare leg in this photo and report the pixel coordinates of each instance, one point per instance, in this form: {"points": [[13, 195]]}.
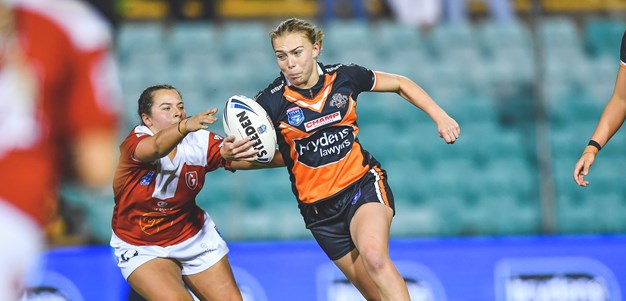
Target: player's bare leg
{"points": [[370, 232], [159, 279], [215, 283], [352, 266]]}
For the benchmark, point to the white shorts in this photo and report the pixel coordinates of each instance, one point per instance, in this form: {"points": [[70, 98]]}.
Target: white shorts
{"points": [[195, 254], [22, 242]]}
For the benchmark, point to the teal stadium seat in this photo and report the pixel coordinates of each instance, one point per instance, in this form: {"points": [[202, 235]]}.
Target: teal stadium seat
{"points": [[198, 38], [450, 39], [139, 38], [513, 176], [243, 37], [471, 108], [602, 36], [269, 208], [392, 36], [345, 36], [96, 206], [559, 32], [499, 38]]}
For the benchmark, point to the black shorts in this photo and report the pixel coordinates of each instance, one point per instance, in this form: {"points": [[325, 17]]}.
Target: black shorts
{"points": [[329, 219]]}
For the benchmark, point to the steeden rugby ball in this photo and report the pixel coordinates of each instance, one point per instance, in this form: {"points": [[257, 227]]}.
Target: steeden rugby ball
{"points": [[244, 117]]}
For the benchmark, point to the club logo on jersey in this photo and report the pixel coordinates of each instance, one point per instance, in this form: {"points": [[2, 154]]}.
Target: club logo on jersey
{"points": [[325, 147], [191, 179], [162, 204], [295, 116], [338, 100], [324, 120], [147, 178]]}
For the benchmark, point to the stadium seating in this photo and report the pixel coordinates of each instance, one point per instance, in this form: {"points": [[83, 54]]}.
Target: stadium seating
{"points": [[603, 36], [484, 75]]}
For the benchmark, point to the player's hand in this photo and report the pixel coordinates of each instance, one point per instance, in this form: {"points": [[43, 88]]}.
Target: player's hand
{"points": [[240, 150], [448, 129], [581, 169], [200, 121]]}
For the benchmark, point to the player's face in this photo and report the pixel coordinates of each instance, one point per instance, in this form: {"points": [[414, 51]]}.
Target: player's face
{"points": [[297, 59], [167, 109]]}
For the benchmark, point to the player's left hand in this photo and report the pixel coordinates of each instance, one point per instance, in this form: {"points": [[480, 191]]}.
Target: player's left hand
{"points": [[240, 150], [581, 169], [448, 129]]}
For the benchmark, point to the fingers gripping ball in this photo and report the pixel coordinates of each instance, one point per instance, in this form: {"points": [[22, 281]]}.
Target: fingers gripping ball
{"points": [[244, 117]]}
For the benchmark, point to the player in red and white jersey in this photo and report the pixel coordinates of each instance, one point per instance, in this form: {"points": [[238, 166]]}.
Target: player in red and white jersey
{"points": [[160, 235], [341, 188], [58, 97], [611, 120]]}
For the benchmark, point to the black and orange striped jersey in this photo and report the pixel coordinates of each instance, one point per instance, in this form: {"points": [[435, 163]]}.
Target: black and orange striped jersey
{"points": [[317, 128]]}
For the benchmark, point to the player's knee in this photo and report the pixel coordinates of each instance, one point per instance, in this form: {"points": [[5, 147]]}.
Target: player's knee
{"points": [[375, 260]]}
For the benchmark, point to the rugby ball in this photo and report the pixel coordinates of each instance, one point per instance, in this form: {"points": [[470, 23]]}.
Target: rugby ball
{"points": [[244, 117]]}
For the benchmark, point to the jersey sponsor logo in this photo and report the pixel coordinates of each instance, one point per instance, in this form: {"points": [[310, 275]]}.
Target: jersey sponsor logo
{"points": [[325, 147], [338, 100], [147, 178], [128, 255], [153, 222], [277, 88], [324, 120], [252, 133], [331, 69], [356, 197], [295, 116], [191, 179]]}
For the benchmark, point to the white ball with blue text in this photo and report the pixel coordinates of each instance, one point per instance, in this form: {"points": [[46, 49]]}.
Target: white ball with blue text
{"points": [[244, 117]]}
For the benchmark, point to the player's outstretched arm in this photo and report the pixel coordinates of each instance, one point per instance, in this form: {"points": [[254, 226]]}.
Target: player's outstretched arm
{"points": [[611, 120], [164, 141], [447, 127]]}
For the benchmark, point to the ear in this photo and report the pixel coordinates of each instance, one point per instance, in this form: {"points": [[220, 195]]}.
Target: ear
{"points": [[316, 50], [146, 119]]}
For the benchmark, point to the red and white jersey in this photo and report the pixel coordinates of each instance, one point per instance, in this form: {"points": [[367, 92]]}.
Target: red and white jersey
{"points": [[57, 80], [155, 203]]}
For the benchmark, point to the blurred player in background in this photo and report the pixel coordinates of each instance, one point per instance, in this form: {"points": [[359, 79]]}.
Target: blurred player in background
{"points": [[163, 241], [58, 93], [341, 189], [611, 120]]}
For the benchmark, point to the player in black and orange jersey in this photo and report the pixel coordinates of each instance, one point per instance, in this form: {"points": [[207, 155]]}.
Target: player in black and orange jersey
{"points": [[611, 120], [341, 188]]}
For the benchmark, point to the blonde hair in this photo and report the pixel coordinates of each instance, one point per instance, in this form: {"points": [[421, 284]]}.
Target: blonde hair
{"points": [[295, 25]]}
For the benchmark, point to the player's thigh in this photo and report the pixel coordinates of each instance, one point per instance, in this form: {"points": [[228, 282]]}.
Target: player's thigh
{"points": [[159, 279], [215, 283], [351, 265], [370, 227]]}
